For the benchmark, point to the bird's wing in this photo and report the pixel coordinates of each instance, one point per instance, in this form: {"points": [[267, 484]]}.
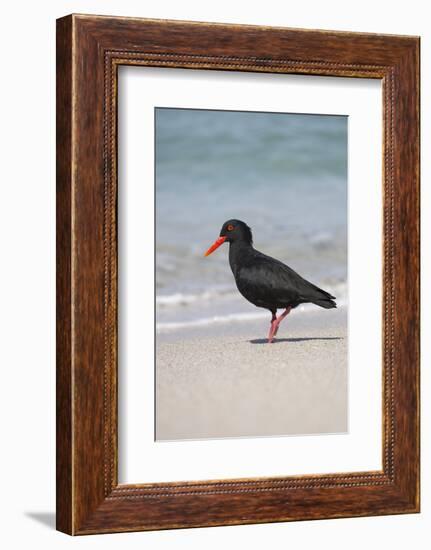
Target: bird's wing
{"points": [[266, 282], [270, 279]]}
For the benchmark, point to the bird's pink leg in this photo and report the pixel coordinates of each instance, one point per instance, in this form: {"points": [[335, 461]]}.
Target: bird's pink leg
{"points": [[273, 328], [280, 318]]}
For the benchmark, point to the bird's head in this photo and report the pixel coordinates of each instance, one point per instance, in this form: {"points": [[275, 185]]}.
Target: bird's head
{"points": [[231, 231]]}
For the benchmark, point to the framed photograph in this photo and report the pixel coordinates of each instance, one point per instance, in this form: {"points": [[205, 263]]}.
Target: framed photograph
{"points": [[237, 274]]}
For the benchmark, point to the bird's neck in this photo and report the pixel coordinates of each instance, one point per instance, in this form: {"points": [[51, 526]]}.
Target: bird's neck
{"points": [[238, 251]]}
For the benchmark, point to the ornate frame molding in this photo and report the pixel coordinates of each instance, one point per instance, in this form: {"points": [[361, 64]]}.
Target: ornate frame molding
{"points": [[90, 49]]}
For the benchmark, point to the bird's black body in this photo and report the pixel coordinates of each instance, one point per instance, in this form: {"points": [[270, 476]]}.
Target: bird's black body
{"points": [[265, 281]]}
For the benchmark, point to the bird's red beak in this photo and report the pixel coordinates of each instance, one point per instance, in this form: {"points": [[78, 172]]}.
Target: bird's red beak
{"points": [[214, 246]]}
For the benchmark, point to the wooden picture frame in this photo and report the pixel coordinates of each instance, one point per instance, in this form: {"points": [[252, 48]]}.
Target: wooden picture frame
{"points": [[89, 51]]}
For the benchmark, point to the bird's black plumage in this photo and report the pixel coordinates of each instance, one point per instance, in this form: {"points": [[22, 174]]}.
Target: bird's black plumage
{"points": [[265, 281]]}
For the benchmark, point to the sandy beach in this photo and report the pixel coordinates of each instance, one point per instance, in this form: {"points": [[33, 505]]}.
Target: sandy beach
{"points": [[226, 381]]}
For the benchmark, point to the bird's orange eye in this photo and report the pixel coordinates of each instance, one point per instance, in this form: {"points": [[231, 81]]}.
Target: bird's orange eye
{"points": [[230, 227]]}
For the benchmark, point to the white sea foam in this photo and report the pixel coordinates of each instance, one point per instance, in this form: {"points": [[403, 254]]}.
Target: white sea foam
{"points": [[230, 318], [216, 319], [182, 299]]}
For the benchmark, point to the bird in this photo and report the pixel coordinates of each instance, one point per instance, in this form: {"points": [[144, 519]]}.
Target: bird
{"points": [[264, 281]]}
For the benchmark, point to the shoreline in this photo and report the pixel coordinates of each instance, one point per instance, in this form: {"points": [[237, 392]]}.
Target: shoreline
{"points": [[254, 321]]}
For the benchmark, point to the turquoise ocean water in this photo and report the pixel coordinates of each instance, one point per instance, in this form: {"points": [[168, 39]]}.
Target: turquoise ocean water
{"points": [[285, 175]]}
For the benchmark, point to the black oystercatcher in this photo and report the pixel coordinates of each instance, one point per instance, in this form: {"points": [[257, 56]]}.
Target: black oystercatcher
{"points": [[265, 281]]}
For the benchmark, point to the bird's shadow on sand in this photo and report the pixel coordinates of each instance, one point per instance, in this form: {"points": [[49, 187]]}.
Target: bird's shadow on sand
{"points": [[281, 340]]}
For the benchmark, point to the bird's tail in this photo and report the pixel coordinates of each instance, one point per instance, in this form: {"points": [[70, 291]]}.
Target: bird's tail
{"points": [[327, 303], [321, 298]]}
